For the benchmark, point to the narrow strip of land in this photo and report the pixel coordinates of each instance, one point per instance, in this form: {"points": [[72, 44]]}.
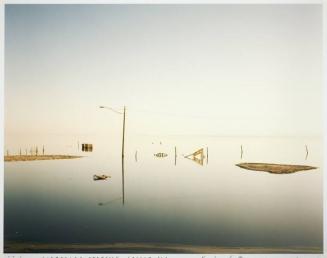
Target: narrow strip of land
{"points": [[11, 158], [274, 168]]}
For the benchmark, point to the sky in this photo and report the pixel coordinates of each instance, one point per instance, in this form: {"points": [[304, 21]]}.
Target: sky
{"points": [[179, 69]]}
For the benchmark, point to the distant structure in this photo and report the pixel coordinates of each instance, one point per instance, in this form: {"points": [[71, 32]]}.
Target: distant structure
{"points": [[87, 147], [196, 156]]}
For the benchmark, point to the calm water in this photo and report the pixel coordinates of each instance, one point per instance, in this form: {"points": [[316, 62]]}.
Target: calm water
{"points": [[217, 204]]}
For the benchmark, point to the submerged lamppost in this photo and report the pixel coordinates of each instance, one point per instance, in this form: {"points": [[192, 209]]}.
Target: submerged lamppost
{"points": [[122, 149]]}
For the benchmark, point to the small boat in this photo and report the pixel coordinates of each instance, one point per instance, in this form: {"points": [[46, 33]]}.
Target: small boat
{"points": [[100, 177], [160, 155]]}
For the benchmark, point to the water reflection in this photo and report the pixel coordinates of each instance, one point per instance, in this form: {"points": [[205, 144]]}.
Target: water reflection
{"points": [[198, 161], [100, 177], [123, 178], [179, 213], [109, 202]]}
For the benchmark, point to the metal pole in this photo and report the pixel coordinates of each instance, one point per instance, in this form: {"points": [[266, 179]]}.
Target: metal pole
{"points": [[123, 143]]}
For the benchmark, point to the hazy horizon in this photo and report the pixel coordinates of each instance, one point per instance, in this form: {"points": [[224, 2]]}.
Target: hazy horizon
{"points": [[179, 69], [193, 77]]}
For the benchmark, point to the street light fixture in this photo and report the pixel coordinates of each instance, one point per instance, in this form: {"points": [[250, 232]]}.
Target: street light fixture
{"points": [[124, 113]]}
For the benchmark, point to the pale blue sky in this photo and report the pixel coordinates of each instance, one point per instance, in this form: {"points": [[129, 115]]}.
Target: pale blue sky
{"points": [[193, 69]]}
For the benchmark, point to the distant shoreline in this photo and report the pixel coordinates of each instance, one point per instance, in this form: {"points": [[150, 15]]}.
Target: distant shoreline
{"points": [[12, 158]]}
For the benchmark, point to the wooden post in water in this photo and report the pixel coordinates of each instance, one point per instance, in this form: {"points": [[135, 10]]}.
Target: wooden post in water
{"points": [[43, 150], [207, 155], [175, 155], [241, 151], [307, 152]]}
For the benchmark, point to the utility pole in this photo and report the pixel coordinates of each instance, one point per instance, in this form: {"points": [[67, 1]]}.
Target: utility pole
{"points": [[123, 143]]}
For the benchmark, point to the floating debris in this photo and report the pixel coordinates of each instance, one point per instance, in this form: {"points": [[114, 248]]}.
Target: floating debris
{"points": [[161, 155], [197, 156], [274, 168], [100, 177]]}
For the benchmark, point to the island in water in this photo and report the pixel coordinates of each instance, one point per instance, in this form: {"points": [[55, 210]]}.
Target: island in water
{"points": [[38, 157], [274, 168]]}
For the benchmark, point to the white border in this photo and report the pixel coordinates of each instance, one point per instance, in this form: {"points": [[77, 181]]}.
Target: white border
{"points": [[324, 63], [324, 60], [2, 121], [164, 2]]}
